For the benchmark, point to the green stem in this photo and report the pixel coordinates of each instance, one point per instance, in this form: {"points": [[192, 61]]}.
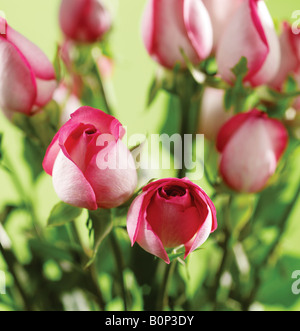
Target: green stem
{"points": [[226, 254], [10, 261], [163, 297], [120, 266], [281, 230], [185, 106]]}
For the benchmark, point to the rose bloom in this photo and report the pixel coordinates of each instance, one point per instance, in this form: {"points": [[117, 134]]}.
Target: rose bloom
{"points": [[169, 26], [27, 77], [251, 145], [84, 20], [90, 166], [169, 213], [250, 34]]}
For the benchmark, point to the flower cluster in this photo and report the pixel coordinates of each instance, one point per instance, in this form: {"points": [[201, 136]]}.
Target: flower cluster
{"points": [[90, 165]]}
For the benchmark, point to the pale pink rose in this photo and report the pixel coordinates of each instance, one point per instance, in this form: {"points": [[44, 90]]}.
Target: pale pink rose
{"points": [[169, 213], [169, 26], [220, 13], [90, 166], [250, 34], [212, 113], [251, 145], [84, 20], [290, 56], [27, 77]]}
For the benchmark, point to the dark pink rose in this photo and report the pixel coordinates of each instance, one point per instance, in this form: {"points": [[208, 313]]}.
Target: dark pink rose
{"points": [[27, 77], [90, 166], [84, 20], [251, 34], [169, 213], [169, 26], [251, 145]]}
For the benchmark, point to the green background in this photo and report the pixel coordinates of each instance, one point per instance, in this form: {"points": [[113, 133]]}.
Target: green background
{"points": [[133, 73]]}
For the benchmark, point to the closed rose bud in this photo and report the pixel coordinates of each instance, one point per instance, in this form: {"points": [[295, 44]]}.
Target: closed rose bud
{"points": [[250, 34], [212, 114], [251, 145], [169, 26], [90, 166], [27, 77], [84, 20], [169, 213], [290, 56], [220, 13]]}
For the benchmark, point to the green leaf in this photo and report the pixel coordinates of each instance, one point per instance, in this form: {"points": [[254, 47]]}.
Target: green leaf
{"points": [[63, 213], [101, 226], [1, 137]]}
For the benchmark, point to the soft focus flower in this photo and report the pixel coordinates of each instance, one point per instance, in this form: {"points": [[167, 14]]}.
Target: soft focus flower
{"points": [[251, 145], [250, 34], [220, 13], [169, 213], [67, 100], [84, 20], [169, 26], [290, 56], [27, 77], [213, 113], [90, 165]]}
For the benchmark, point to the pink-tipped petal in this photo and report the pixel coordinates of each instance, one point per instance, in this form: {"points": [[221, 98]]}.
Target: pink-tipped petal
{"points": [[70, 184], [150, 242], [17, 84], [198, 27], [112, 174], [38, 61], [201, 235], [51, 155], [133, 217], [103, 122]]}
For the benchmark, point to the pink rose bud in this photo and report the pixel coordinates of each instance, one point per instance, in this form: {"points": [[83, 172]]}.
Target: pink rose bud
{"points": [[250, 34], [212, 113], [27, 77], [84, 20], [290, 56], [170, 213], [220, 13], [169, 26], [90, 166], [251, 145]]}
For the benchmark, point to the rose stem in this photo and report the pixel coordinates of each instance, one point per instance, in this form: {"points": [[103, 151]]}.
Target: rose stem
{"points": [[163, 299], [120, 266]]}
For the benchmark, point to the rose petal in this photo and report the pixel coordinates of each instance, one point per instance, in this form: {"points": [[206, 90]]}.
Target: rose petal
{"points": [[17, 84], [70, 184]]}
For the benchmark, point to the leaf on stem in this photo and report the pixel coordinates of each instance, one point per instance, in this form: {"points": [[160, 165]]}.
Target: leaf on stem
{"points": [[63, 213]]}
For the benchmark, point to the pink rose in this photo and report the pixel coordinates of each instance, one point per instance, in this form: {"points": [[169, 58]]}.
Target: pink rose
{"points": [[169, 213], [90, 166], [290, 56], [84, 20], [250, 34], [27, 77], [169, 26], [220, 13], [251, 145], [212, 113]]}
